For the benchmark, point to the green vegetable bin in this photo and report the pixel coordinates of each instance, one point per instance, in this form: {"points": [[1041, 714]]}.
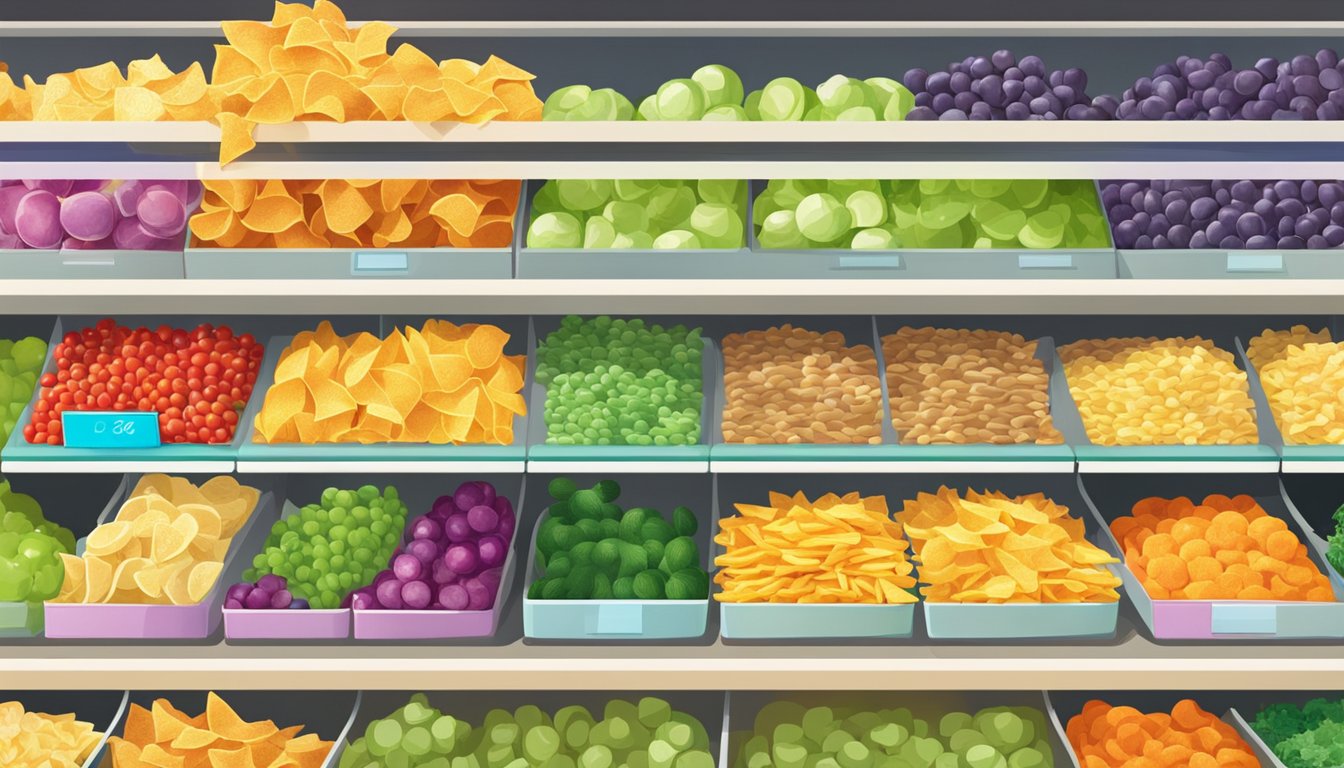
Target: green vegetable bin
{"points": [[1249, 703], [622, 619], [105, 710]]}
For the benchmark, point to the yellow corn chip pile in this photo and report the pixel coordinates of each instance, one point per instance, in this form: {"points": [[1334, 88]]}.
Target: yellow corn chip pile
{"points": [[335, 213], [992, 548], [1302, 373], [1150, 391], [36, 740], [148, 92], [441, 384], [308, 64], [165, 737], [165, 546], [834, 550]]}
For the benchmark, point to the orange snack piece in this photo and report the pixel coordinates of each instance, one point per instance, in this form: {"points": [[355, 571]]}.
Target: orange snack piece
{"points": [[443, 383], [838, 549], [992, 548], [341, 213], [217, 738], [1222, 549], [1104, 736]]}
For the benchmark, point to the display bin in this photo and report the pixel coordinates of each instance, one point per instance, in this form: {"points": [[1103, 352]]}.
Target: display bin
{"points": [[107, 621], [21, 456], [743, 707], [647, 264], [63, 503], [706, 706], [1241, 459], [936, 263], [328, 714], [984, 457], [621, 619], [419, 493], [1110, 498], [112, 264], [1247, 704], [1294, 457], [105, 710], [1065, 705], [544, 457], [1312, 501], [396, 457]]}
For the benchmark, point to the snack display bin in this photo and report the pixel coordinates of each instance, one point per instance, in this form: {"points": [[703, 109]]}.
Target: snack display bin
{"points": [[1294, 457], [705, 706], [937, 263], [1312, 500], [1065, 705], [547, 457], [1109, 498], [397, 457], [602, 620], [419, 492], [105, 710], [328, 714], [106, 621]]}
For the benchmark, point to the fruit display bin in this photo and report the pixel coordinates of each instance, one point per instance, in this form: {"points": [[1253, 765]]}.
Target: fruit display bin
{"points": [[21, 456], [105, 710], [106, 621], [934, 263], [399, 457], [743, 706], [78, 264], [1109, 498], [419, 493], [1294, 457], [621, 619], [325, 713], [705, 706], [544, 457], [1065, 705], [797, 621], [602, 263]]}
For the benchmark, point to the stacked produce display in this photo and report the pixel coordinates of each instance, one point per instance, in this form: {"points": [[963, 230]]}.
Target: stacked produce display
{"points": [[1299, 370]]}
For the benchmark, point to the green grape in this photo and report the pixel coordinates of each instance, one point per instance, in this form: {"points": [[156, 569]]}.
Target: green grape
{"points": [[783, 99], [20, 363], [721, 85], [555, 230]]}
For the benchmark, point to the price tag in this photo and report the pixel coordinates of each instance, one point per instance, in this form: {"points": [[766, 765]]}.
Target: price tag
{"points": [[110, 429], [1255, 262], [1245, 620], [380, 262], [885, 261], [620, 619], [1045, 261]]}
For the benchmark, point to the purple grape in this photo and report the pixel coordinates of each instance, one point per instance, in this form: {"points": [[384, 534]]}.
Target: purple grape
{"points": [[483, 519], [37, 219], [492, 551], [233, 604], [456, 528], [441, 573], [161, 214], [454, 597], [461, 558], [405, 567], [129, 235], [507, 524], [57, 187], [479, 596], [257, 599], [389, 593], [298, 604], [491, 578], [416, 595], [88, 216], [238, 592], [272, 583], [363, 600], [281, 599], [385, 575], [126, 195], [426, 527], [467, 496]]}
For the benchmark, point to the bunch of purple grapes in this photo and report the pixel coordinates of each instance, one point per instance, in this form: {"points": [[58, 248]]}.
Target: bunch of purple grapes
{"points": [[1227, 214], [1304, 88], [96, 214], [271, 592], [453, 559], [1001, 87]]}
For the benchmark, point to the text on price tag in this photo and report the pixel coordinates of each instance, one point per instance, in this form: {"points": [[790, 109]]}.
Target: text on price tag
{"points": [[110, 429]]}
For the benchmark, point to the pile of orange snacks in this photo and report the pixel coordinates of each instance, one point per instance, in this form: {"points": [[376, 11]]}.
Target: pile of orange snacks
{"points": [[1302, 372], [439, 384], [837, 549], [993, 548], [353, 213], [1221, 549], [37, 740], [1148, 391], [1104, 736], [216, 738]]}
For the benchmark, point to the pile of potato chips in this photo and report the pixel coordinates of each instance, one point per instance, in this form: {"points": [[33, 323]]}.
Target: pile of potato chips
{"points": [[218, 738], [148, 92], [335, 213], [441, 384], [993, 548], [37, 740], [166, 545], [1302, 373], [838, 549]]}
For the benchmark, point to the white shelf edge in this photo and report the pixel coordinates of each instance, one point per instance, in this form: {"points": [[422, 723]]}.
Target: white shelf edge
{"points": [[890, 467], [399, 466], [20, 466], [1177, 467], [1291, 467], [578, 466]]}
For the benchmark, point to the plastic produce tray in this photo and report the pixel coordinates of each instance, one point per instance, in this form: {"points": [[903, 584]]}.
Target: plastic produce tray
{"points": [[742, 707], [1215, 619], [1311, 501], [105, 710], [396, 457], [623, 619], [419, 493], [1064, 705], [1249, 703], [325, 713], [1294, 457], [33, 264], [162, 622], [606, 263], [936, 263], [706, 706], [21, 456], [543, 457]]}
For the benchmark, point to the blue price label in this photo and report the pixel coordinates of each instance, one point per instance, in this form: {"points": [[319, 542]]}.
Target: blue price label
{"points": [[110, 429]]}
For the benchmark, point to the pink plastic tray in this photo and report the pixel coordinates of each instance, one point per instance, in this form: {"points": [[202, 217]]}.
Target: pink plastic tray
{"points": [[436, 625], [242, 624]]}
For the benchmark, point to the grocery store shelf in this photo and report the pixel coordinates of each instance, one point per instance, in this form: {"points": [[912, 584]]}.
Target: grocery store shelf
{"points": [[1213, 467], [890, 467], [674, 297], [475, 467], [63, 467]]}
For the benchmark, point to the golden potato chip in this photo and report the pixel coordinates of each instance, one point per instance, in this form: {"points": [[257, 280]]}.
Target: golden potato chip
{"points": [[108, 538], [201, 579], [38, 740]]}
